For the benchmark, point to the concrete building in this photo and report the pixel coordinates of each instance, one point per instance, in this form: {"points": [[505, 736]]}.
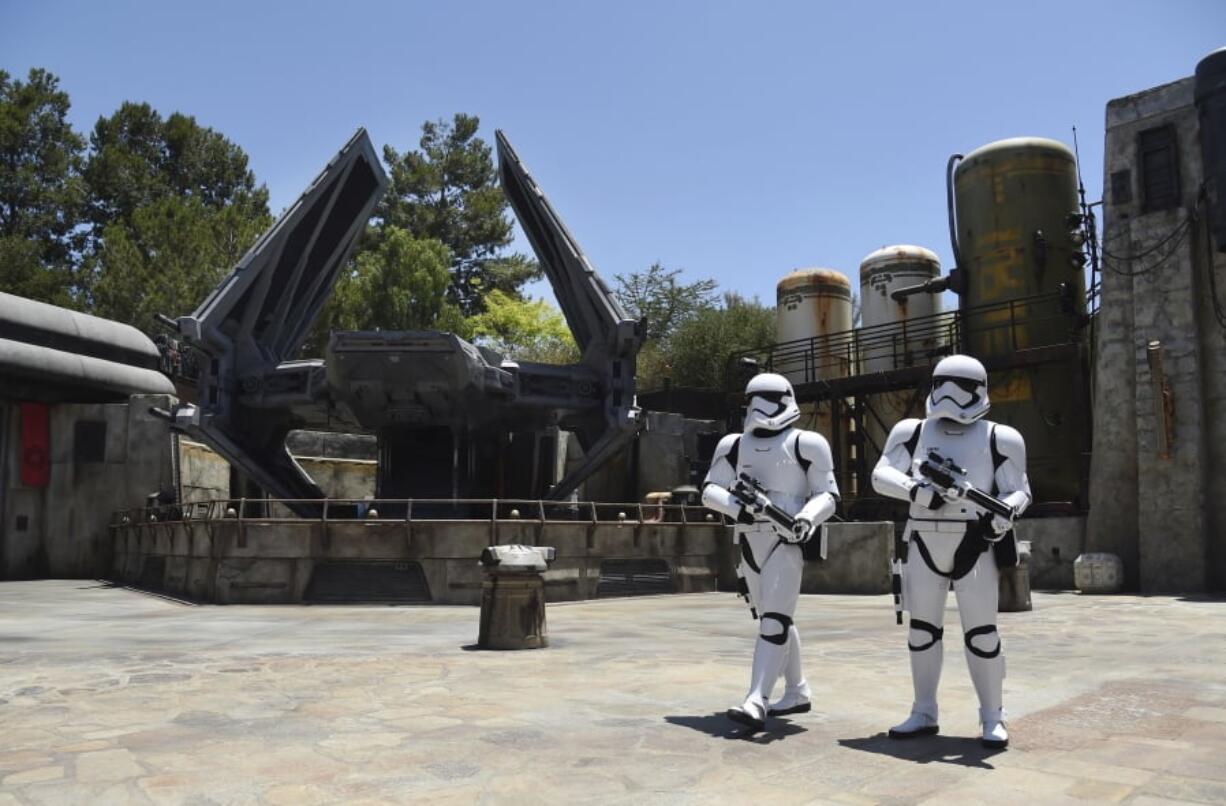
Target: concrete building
{"points": [[1158, 472], [77, 438]]}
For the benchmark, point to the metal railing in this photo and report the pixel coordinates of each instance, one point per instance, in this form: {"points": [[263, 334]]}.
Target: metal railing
{"points": [[1000, 326], [417, 510]]}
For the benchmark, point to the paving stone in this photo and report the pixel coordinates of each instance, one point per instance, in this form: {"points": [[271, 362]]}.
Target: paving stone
{"points": [[390, 704], [107, 765], [1206, 713], [1100, 791], [34, 776]]}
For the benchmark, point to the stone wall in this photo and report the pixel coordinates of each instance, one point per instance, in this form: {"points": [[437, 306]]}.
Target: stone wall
{"points": [[232, 561], [203, 474], [1164, 516], [1055, 544]]}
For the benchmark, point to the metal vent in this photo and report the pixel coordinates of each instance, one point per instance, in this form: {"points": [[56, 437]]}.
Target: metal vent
{"points": [[367, 581], [634, 578]]}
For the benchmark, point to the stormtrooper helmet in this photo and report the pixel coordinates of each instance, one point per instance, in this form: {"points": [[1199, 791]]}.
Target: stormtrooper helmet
{"points": [[770, 404], [959, 390]]}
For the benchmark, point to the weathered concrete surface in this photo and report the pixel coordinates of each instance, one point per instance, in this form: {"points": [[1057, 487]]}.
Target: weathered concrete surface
{"points": [[1055, 544], [270, 561], [858, 560], [63, 526], [1164, 516], [110, 696], [203, 474]]}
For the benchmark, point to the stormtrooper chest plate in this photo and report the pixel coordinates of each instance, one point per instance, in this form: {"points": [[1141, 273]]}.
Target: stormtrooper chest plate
{"points": [[969, 446], [772, 461]]}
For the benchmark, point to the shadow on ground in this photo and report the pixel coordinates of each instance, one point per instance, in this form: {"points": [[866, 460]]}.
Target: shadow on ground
{"points": [[927, 749], [721, 727]]}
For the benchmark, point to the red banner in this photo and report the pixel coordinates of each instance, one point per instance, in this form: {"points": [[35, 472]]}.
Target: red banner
{"points": [[35, 445]]}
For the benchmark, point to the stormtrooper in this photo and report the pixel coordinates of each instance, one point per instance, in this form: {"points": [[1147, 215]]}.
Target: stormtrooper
{"points": [[948, 466], [777, 483]]}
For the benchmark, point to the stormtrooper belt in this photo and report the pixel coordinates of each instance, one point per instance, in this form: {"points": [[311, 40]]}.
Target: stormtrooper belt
{"points": [[967, 554], [943, 526]]}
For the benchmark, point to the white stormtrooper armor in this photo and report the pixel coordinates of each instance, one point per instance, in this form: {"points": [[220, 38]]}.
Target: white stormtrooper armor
{"points": [[949, 539], [796, 470]]}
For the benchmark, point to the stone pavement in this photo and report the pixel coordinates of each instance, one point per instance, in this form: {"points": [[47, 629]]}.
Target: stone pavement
{"points": [[113, 696]]}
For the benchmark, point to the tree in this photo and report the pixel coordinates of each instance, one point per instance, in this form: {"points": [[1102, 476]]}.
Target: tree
{"points": [[400, 285], [167, 257], [655, 295], [448, 190], [172, 206], [698, 352], [526, 330], [40, 189], [138, 158]]}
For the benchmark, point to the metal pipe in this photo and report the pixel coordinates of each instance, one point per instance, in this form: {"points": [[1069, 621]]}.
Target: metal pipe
{"points": [[1164, 399], [954, 159]]}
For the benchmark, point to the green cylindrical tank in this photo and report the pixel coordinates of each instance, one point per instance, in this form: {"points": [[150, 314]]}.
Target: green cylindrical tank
{"points": [[1015, 202]]}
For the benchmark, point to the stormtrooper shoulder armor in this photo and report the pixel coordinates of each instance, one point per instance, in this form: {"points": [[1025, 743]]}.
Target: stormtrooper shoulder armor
{"points": [[904, 435], [721, 477], [812, 450], [892, 475], [725, 454], [1009, 443], [1009, 460]]}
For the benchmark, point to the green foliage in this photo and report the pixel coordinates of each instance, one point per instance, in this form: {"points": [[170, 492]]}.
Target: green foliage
{"points": [[448, 190], [40, 189], [167, 257], [138, 158], [655, 295], [399, 285], [526, 330], [172, 206], [698, 352]]}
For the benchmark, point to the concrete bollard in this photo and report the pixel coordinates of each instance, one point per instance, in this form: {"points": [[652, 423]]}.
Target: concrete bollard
{"points": [[1015, 583], [513, 597]]}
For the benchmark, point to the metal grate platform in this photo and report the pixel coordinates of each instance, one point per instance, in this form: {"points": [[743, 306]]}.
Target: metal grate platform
{"points": [[634, 578], [367, 581]]}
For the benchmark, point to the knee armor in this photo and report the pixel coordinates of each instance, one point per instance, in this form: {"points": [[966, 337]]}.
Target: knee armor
{"points": [[785, 624], [972, 634]]}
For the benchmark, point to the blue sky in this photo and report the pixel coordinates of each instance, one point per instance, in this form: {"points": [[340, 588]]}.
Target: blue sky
{"points": [[735, 141]]}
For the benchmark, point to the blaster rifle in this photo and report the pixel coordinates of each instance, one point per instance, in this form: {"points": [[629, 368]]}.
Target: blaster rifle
{"points": [[946, 474], [750, 493]]}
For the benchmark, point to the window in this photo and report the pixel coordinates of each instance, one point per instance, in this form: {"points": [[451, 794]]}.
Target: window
{"points": [[1158, 165], [1121, 187], [89, 441]]}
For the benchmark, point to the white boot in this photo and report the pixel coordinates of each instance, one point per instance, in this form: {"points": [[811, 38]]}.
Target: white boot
{"points": [[768, 660], [795, 700], [751, 714], [995, 735], [915, 725]]}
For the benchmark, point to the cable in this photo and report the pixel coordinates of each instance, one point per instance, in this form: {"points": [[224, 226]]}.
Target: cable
{"points": [[1155, 247], [1182, 231], [1218, 313]]}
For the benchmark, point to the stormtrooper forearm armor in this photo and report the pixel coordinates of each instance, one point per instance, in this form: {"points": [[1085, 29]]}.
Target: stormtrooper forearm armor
{"points": [[818, 509]]}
